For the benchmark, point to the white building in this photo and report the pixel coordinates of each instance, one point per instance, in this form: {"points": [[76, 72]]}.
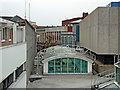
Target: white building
{"points": [[12, 55]]}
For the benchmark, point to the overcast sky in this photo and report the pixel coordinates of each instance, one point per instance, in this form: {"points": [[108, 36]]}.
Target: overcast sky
{"points": [[50, 12]]}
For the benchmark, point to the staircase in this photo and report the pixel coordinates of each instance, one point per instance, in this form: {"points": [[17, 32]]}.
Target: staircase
{"points": [[103, 77]]}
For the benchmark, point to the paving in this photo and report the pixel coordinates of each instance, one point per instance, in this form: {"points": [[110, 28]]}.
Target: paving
{"points": [[63, 81]]}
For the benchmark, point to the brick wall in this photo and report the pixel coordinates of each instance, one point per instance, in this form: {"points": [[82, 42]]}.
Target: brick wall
{"points": [[7, 42], [66, 22]]}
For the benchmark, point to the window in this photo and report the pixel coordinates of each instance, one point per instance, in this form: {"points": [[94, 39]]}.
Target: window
{"points": [[62, 40], [8, 81], [10, 34], [68, 65], [19, 71], [3, 34]]}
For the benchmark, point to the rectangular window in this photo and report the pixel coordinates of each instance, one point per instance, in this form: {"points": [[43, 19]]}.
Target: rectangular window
{"points": [[18, 71], [64, 65], [57, 66], [8, 81], [62, 40], [3, 34], [51, 66], [71, 65]]}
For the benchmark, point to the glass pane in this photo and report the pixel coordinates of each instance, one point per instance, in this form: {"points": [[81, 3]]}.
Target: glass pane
{"points": [[80, 66], [84, 66], [70, 41], [51, 63], [51, 66], [77, 65], [71, 65], [118, 75], [66, 41], [63, 41], [57, 66], [64, 65]]}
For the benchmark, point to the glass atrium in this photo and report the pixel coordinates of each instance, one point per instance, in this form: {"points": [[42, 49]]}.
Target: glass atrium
{"points": [[59, 59]]}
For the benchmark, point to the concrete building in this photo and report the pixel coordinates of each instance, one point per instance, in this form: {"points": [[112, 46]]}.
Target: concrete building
{"points": [[30, 39], [12, 55], [100, 33], [48, 36], [113, 4], [65, 60]]}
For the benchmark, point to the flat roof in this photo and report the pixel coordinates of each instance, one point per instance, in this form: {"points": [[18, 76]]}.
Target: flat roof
{"points": [[75, 22]]}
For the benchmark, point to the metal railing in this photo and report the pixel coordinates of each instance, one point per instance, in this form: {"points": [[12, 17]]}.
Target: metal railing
{"points": [[81, 49], [103, 77]]}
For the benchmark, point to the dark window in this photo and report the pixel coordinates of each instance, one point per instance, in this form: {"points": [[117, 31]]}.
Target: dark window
{"points": [[18, 71], [3, 33], [8, 81], [10, 33]]}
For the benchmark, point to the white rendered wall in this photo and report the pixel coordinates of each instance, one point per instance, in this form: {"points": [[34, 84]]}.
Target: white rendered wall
{"points": [[45, 69], [0, 64], [89, 67], [13, 56], [14, 33]]}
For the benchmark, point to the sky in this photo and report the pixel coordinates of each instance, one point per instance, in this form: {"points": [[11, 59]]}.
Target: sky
{"points": [[50, 12]]}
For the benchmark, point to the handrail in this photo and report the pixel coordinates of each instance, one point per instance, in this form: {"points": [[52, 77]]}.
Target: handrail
{"points": [[101, 77], [77, 47]]}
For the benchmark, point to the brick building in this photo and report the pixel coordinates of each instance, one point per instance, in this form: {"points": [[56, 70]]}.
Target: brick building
{"points": [[71, 37]]}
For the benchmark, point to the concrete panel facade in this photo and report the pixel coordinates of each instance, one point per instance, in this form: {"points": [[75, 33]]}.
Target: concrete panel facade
{"points": [[0, 66], [31, 48], [99, 31], [119, 30], [88, 31]]}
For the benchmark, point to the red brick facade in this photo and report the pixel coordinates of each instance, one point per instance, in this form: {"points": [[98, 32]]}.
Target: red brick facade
{"points": [[7, 41], [68, 21]]}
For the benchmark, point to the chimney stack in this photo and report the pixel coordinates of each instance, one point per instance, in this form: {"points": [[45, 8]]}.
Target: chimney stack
{"points": [[84, 15]]}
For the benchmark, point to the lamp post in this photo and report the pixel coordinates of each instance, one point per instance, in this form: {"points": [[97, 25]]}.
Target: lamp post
{"points": [[25, 9]]}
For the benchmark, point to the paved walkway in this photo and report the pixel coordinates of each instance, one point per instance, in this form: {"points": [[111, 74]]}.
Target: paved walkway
{"points": [[63, 81]]}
